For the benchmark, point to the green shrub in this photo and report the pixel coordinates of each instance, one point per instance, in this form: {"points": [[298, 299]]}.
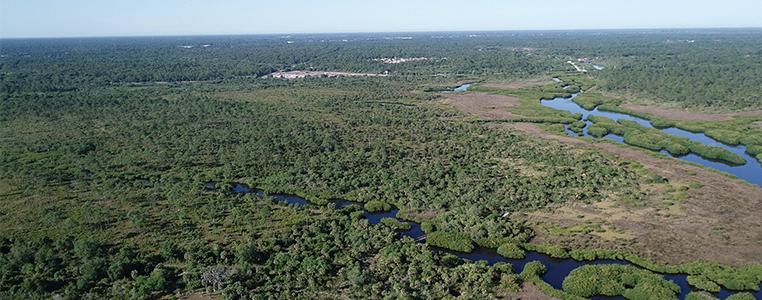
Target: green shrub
{"points": [[745, 278], [703, 283], [377, 206], [533, 269], [662, 123], [643, 140], [577, 127], [716, 153], [510, 250], [450, 240], [427, 226], [741, 296], [619, 280], [395, 224], [674, 147], [159, 280], [588, 101], [557, 128], [726, 136], [551, 250], [753, 138], [754, 149], [699, 296], [597, 130]]}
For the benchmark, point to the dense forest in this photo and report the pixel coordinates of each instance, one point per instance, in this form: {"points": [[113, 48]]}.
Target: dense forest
{"points": [[108, 144]]}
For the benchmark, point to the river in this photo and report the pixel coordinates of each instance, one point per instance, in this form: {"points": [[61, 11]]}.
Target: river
{"points": [[557, 269], [751, 171]]}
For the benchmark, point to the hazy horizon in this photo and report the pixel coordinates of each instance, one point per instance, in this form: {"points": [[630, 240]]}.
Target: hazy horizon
{"points": [[83, 18]]}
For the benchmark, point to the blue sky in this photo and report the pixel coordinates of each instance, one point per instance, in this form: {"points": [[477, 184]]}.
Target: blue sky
{"points": [[63, 18]]}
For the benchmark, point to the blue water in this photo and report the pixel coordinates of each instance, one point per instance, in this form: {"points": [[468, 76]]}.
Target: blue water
{"points": [[462, 88], [557, 269], [751, 171], [241, 188]]}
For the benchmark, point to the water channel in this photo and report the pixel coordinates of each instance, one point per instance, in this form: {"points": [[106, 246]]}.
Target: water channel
{"points": [[557, 269], [751, 171]]}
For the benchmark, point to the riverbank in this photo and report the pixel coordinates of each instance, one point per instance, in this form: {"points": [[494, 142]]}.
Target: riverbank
{"points": [[558, 262]]}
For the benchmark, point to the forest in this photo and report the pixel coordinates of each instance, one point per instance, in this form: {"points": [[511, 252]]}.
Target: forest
{"points": [[108, 145]]}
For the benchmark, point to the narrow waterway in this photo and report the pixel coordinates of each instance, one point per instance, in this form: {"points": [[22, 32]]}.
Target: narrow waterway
{"points": [[557, 269], [751, 171]]}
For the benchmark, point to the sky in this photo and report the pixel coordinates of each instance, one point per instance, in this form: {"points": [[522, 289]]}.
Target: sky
{"points": [[84, 18]]}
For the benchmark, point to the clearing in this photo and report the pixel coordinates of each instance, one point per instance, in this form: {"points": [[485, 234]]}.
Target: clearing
{"points": [[684, 115], [700, 215], [486, 106], [709, 216], [540, 81], [304, 74]]}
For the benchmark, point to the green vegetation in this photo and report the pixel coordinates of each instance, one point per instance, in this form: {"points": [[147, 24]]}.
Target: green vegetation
{"points": [[450, 240], [739, 130], [655, 140], [597, 130], [592, 100], [377, 206], [395, 224], [741, 296], [699, 296], [733, 278], [614, 280], [703, 283], [554, 251], [577, 127], [632, 132], [108, 145], [533, 269], [705, 74], [509, 250]]}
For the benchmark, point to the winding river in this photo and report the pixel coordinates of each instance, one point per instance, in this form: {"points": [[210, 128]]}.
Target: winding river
{"points": [[557, 269], [751, 171]]}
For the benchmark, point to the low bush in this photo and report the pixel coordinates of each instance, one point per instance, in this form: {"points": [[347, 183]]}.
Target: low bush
{"points": [[619, 280], [699, 296], [703, 283], [554, 251], [741, 296], [510, 250], [533, 269], [577, 127], [377, 206], [716, 153], [395, 224], [754, 149], [643, 140], [726, 136], [450, 240], [597, 131], [662, 123]]}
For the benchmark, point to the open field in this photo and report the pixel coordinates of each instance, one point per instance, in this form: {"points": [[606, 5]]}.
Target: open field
{"points": [[540, 81], [485, 106], [716, 215], [686, 115]]}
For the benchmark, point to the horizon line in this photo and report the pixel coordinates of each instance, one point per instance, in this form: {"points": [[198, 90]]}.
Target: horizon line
{"points": [[374, 32]]}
